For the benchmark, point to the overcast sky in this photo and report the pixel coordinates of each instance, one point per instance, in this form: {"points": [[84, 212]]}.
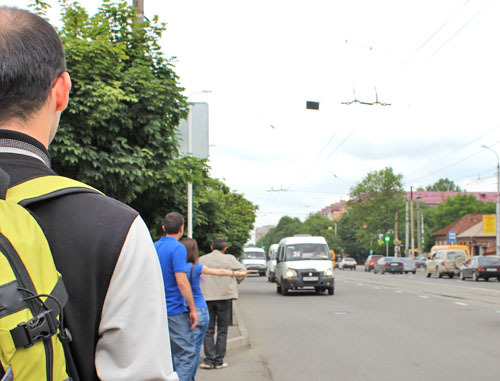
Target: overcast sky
{"points": [[435, 62]]}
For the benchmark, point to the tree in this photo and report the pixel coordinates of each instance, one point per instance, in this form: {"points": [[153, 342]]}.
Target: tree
{"points": [[456, 207], [119, 132], [374, 202], [444, 185], [287, 226]]}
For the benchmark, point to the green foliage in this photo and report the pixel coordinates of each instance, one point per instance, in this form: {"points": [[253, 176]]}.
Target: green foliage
{"points": [[374, 202], [456, 207], [119, 132], [444, 185]]}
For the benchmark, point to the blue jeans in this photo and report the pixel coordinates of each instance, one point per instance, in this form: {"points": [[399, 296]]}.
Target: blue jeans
{"points": [[199, 334], [182, 345]]}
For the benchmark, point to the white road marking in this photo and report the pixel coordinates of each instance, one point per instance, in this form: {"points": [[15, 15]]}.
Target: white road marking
{"points": [[398, 292], [424, 297], [461, 304]]}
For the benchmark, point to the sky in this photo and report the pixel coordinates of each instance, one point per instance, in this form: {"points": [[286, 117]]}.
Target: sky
{"points": [[434, 66]]}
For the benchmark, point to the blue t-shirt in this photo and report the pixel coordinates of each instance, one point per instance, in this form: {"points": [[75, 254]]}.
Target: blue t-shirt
{"points": [[172, 255], [199, 300]]}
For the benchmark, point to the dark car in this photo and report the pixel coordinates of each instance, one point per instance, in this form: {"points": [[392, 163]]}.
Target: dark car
{"points": [[389, 265], [481, 267], [370, 262]]}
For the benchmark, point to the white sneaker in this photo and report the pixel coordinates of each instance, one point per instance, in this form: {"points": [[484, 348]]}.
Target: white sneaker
{"points": [[206, 366], [223, 365]]}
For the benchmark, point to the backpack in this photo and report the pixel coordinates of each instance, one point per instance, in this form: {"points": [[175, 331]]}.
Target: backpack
{"points": [[33, 339]]}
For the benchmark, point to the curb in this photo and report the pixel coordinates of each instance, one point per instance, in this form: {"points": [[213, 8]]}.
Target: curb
{"points": [[241, 341], [236, 343]]}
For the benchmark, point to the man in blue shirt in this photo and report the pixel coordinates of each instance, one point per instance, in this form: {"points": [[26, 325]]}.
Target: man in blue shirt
{"points": [[181, 319]]}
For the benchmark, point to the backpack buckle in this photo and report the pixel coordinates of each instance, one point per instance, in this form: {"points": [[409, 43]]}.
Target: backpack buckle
{"points": [[41, 327]]}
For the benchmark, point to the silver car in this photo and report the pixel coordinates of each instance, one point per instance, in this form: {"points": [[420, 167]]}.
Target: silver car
{"points": [[271, 263], [409, 265]]}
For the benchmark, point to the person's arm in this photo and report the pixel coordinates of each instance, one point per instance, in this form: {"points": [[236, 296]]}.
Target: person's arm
{"points": [[223, 272], [187, 293], [133, 339], [238, 266]]}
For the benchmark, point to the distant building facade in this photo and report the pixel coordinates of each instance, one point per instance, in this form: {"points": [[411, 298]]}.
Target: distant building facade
{"points": [[262, 231], [335, 211], [433, 198]]}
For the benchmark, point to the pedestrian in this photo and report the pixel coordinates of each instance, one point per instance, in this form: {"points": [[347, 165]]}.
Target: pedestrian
{"points": [[102, 248], [181, 310], [194, 271], [219, 292]]}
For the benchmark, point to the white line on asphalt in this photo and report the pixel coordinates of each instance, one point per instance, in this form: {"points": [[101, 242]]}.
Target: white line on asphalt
{"points": [[377, 288], [398, 292], [498, 312], [360, 284], [461, 304], [424, 297], [340, 313]]}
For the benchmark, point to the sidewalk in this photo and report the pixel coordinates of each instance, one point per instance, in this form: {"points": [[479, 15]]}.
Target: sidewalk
{"points": [[244, 362], [237, 335]]}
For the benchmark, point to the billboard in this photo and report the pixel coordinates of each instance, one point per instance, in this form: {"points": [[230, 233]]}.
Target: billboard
{"points": [[199, 131], [489, 224]]}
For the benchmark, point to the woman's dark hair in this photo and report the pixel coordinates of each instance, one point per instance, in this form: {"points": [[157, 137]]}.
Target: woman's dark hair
{"points": [[172, 223], [31, 58], [192, 249]]}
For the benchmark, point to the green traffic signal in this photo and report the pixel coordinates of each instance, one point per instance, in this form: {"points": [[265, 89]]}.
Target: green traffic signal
{"points": [[387, 238]]}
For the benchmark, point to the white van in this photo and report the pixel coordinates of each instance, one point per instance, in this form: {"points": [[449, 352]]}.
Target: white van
{"points": [[304, 262], [271, 262], [254, 258]]}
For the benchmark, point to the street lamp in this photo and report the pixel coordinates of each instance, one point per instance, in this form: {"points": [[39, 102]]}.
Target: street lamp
{"points": [[497, 225]]}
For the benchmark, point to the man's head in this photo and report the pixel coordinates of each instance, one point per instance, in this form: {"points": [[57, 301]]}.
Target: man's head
{"points": [[32, 72], [173, 224], [219, 244]]}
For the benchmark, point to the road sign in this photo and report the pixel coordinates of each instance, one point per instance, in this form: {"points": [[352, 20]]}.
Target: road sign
{"points": [[452, 236]]}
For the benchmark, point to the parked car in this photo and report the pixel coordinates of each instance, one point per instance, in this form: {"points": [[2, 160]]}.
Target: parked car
{"points": [[481, 267], [409, 265], [445, 262], [420, 262], [271, 263], [348, 263], [370, 261], [389, 265]]}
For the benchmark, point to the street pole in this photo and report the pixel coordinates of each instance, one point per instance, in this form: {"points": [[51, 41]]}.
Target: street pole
{"points": [[419, 230], [412, 233], [407, 231], [139, 5], [497, 227], [189, 184]]}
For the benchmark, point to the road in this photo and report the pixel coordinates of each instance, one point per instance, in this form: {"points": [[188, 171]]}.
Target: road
{"points": [[375, 327]]}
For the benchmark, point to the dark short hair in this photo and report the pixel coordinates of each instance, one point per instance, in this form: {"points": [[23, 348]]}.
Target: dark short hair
{"points": [[31, 58], [192, 249], [172, 223], [219, 243]]}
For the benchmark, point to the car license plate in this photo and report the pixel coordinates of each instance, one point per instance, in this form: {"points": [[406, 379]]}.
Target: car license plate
{"points": [[394, 264], [491, 269], [310, 278]]}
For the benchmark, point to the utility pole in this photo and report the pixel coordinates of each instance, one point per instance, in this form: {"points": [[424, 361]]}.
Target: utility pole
{"points": [[139, 5], [397, 242], [407, 231], [412, 233], [419, 230]]}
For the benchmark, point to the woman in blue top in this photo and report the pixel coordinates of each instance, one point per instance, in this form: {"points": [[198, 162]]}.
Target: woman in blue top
{"points": [[194, 271]]}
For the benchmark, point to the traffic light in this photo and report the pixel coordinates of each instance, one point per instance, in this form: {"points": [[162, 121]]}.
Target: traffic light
{"points": [[371, 251], [387, 238]]}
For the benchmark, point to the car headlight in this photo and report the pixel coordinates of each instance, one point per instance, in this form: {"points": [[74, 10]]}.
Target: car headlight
{"points": [[291, 273], [328, 273]]}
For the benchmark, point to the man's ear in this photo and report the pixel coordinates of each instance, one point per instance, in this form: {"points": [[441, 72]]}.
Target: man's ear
{"points": [[163, 228], [181, 232], [212, 247], [60, 91]]}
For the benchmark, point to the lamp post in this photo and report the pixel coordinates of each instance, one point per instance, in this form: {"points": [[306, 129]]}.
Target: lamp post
{"points": [[497, 225]]}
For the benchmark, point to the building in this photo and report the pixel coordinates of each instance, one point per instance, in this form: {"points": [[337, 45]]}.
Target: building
{"points": [[262, 231], [433, 198], [469, 231], [335, 211]]}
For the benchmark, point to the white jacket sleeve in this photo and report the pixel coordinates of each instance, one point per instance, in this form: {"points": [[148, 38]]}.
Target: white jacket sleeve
{"points": [[133, 341]]}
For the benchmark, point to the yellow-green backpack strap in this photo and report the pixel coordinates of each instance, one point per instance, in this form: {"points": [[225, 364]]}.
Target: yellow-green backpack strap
{"points": [[45, 187]]}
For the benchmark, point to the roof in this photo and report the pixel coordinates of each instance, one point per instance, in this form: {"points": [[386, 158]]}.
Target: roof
{"points": [[303, 239], [475, 231], [433, 198], [461, 225]]}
